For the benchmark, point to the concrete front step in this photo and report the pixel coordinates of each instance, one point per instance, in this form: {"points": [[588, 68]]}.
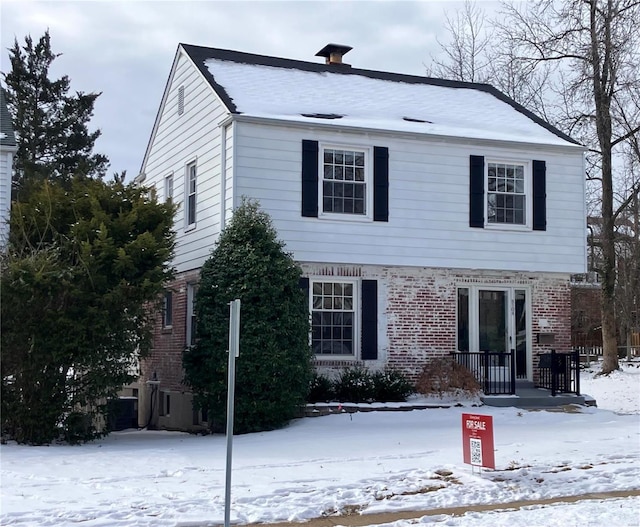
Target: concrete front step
{"points": [[527, 396]]}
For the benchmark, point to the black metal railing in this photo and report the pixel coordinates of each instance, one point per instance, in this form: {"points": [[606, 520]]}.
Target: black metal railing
{"points": [[559, 372], [495, 371]]}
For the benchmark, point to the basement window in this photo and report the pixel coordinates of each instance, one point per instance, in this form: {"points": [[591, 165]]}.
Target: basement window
{"points": [[165, 404]]}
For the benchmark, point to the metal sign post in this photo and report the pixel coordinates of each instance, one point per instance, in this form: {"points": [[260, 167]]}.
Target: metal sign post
{"points": [[234, 351]]}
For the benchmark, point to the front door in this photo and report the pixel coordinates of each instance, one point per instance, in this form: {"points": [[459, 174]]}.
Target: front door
{"points": [[495, 319]]}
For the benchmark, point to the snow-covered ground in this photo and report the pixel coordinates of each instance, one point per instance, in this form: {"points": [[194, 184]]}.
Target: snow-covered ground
{"points": [[365, 462]]}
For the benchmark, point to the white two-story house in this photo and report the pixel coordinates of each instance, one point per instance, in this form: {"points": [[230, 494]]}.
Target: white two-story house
{"points": [[429, 216]]}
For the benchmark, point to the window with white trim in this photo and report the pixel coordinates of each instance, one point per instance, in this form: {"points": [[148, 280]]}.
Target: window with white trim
{"points": [[167, 310], [190, 201], [333, 317], [192, 290], [508, 193], [345, 182], [168, 187]]}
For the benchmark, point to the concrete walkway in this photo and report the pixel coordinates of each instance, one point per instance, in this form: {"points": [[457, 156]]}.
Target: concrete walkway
{"points": [[355, 519]]}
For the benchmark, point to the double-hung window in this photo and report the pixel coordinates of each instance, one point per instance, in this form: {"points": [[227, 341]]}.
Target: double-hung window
{"points": [[507, 188], [168, 187], [345, 183], [190, 205], [341, 182], [507, 194], [333, 317]]}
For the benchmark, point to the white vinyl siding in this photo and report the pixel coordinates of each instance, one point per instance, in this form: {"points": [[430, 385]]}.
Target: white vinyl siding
{"points": [[428, 204], [5, 194], [428, 192], [180, 139]]}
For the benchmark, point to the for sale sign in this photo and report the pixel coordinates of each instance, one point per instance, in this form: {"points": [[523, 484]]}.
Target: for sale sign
{"points": [[477, 440]]}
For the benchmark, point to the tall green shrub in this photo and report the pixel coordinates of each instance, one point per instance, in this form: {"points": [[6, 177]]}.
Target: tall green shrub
{"points": [[274, 368], [85, 258]]}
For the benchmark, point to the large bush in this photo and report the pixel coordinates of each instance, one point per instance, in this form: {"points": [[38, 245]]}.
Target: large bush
{"points": [[85, 259], [274, 368]]}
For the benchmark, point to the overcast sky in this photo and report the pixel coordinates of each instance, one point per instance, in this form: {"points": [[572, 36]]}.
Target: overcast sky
{"points": [[125, 49]]}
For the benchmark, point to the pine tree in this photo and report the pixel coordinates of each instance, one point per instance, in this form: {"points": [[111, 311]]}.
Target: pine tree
{"points": [[51, 125], [274, 368]]}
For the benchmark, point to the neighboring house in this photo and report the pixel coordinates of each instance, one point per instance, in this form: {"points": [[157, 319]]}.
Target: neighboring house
{"points": [[428, 216], [8, 148]]}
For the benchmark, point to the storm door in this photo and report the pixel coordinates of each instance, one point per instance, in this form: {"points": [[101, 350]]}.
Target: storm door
{"points": [[495, 319]]}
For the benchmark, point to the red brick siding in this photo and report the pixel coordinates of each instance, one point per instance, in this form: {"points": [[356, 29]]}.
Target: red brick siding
{"points": [[416, 313], [165, 358], [421, 319]]}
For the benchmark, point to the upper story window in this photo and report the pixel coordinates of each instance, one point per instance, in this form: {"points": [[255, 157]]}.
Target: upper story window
{"points": [[340, 182], [507, 188], [168, 188], [190, 201], [345, 186], [507, 194]]}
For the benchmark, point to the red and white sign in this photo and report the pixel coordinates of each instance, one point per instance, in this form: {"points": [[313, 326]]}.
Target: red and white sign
{"points": [[477, 440]]}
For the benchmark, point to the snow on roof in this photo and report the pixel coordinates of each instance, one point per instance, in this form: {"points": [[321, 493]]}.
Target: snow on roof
{"points": [[269, 87]]}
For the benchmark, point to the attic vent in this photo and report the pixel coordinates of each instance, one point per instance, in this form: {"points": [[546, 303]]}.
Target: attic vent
{"points": [[322, 115], [414, 120], [180, 100], [333, 53]]}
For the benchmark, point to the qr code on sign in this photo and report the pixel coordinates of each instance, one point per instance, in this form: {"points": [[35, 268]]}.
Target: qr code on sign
{"points": [[476, 451]]}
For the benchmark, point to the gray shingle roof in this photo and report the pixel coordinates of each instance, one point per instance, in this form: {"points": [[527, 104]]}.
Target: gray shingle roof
{"points": [[272, 87], [7, 135]]}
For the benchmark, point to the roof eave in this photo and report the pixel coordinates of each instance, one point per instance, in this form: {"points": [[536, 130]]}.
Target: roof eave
{"points": [[239, 117]]}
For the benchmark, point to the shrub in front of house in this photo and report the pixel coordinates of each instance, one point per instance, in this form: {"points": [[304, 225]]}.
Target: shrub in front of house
{"points": [[321, 389], [354, 385], [445, 376], [274, 368], [357, 384], [391, 386]]}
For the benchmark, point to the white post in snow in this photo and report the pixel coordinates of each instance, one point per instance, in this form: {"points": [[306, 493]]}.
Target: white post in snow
{"points": [[234, 351]]}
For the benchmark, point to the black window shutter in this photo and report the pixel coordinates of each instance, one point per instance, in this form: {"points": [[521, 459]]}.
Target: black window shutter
{"points": [[476, 191], [369, 319], [310, 178], [539, 196], [380, 183]]}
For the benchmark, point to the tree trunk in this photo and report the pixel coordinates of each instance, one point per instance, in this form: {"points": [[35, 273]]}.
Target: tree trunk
{"points": [[603, 79]]}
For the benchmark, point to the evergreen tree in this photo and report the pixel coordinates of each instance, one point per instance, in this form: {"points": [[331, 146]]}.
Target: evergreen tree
{"points": [[51, 125], [85, 260], [274, 368]]}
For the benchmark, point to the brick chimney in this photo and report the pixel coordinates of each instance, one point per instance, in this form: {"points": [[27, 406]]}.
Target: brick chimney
{"points": [[333, 53]]}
